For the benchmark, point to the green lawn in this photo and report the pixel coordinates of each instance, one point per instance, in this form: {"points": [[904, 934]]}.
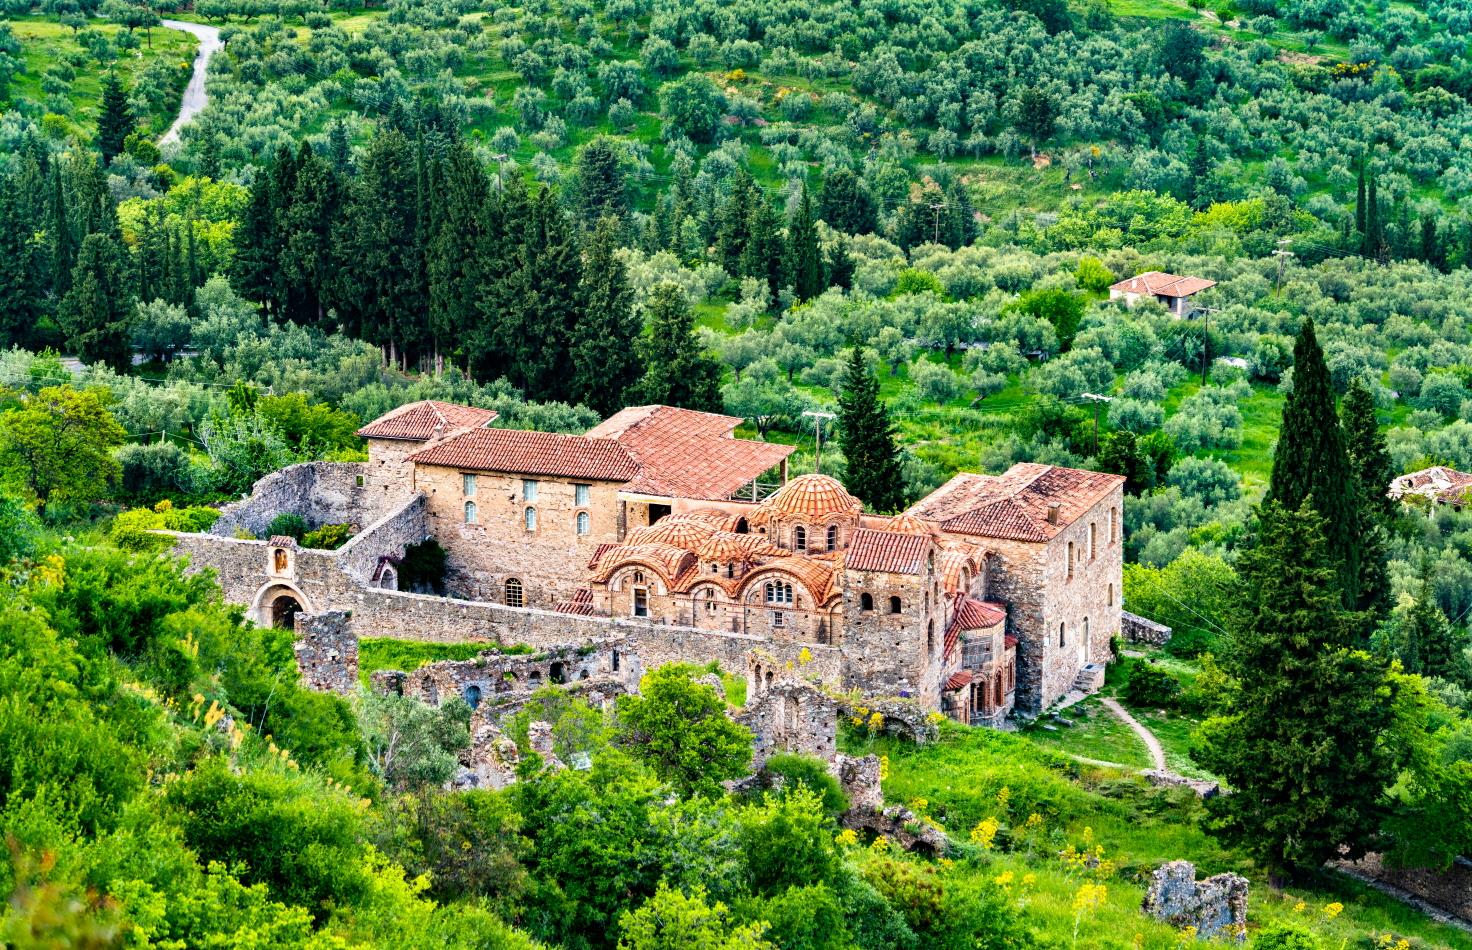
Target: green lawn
{"points": [[1096, 733]]}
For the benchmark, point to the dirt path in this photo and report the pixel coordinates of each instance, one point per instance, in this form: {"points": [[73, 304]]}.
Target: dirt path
{"points": [[1157, 751], [194, 94]]}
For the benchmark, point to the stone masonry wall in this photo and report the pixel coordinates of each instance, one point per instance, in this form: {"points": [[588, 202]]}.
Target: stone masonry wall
{"points": [[1137, 629], [886, 652], [551, 562], [791, 716], [327, 651], [321, 492]]}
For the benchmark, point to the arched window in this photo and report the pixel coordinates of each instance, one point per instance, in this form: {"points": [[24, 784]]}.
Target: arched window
{"points": [[894, 605], [1111, 595], [929, 638], [799, 538], [1093, 537], [514, 594], [1113, 525], [710, 600], [1086, 631], [583, 522], [1063, 633], [531, 519], [472, 695], [866, 601], [638, 577], [778, 592], [470, 512], [833, 537], [1070, 560]]}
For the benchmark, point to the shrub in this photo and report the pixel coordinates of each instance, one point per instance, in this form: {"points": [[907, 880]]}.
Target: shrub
{"points": [[289, 524], [1091, 274], [328, 537], [153, 471], [1149, 685], [795, 770], [1285, 937]]}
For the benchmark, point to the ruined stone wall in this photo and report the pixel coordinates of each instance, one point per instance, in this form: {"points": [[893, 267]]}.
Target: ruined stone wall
{"points": [[492, 675], [405, 524], [327, 652], [321, 492], [1449, 890], [790, 716], [884, 652], [551, 562], [1137, 629]]}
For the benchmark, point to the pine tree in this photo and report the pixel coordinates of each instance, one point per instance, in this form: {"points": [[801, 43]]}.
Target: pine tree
{"points": [[94, 314], [605, 354], [840, 265], [115, 123], [1299, 737], [1311, 460], [677, 372], [845, 204], [807, 259], [868, 439], [1434, 648], [764, 256], [601, 189]]}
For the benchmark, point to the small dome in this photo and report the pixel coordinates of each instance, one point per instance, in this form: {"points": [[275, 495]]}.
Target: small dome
{"points": [[674, 530], [908, 524], [724, 547], [812, 496]]}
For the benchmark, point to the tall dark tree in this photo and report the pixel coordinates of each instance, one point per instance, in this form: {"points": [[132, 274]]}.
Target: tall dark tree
{"points": [[542, 294], [605, 353], [840, 265], [115, 122], [765, 256], [1300, 736], [1359, 202], [1374, 239], [868, 438], [803, 251], [501, 234], [600, 185], [460, 191], [1200, 172], [95, 311], [61, 238], [311, 218], [676, 371], [733, 222], [845, 203], [1371, 471], [20, 290], [1311, 460]]}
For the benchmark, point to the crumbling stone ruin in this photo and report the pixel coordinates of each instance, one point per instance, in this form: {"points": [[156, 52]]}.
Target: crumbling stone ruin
{"points": [[788, 715], [1136, 629], [1214, 907], [327, 651], [1448, 891]]}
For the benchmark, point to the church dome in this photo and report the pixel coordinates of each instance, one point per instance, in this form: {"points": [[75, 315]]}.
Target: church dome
{"points": [[814, 497], [673, 530]]}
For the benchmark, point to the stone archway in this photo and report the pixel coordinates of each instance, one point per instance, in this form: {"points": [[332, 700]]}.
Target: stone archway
{"points": [[278, 604]]}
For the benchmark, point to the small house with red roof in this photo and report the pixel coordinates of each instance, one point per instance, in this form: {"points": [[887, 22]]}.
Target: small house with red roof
{"points": [[1173, 291]]}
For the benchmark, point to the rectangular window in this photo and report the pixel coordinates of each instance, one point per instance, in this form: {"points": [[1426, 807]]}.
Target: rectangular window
{"points": [[580, 495], [641, 602], [467, 485], [779, 619], [528, 489]]}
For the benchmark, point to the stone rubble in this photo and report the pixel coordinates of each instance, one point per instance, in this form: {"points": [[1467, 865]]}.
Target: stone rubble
{"points": [[1214, 907]]}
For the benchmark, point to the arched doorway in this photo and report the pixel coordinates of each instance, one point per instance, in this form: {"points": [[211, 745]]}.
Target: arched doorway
{"points": [[283, 612], [277, 606]]}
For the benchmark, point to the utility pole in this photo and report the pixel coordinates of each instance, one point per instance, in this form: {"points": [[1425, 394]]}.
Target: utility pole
{"points": [[1282, 254], [936, 207], [818, 418], [1097, 399], [1206, 313]]}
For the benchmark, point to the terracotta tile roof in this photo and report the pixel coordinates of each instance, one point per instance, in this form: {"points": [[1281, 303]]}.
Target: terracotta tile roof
{"points": [[972, 614], [581, 603], [532, 453], [686, 454], [598, 553], [1009, 642], [727, 547], [817, 576], [666, 560], [1014, 505], [420, 421], [958, 680], [958, 563], [681, 532], [811, 496], [1159, 284], [888, 551]]}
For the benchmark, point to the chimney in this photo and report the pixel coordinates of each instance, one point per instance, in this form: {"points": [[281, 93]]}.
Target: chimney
{"points": [[1053, 512]]}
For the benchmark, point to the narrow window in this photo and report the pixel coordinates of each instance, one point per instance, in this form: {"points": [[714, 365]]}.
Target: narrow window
{"points": [[514, 594], [1070, 560], [800, 538], [641, 602], [1086, 631], [358, 480], [472, 695], [615, 661], [894, 605], [470, 512], [866, 601], [467, 485], [1113, 525], [930, 638], [1093, 536], [710, 600], [582, 522], [1063, 634], [833, 537], [580, 495], [530, 516], [528, 489], [1111, 595]]}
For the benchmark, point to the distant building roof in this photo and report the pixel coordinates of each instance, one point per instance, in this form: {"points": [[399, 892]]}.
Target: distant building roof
{"points": [[811, 496], [682, 453], [1015, 505], [1160, 284], [421, 421], [888, 551], [532, 453]]}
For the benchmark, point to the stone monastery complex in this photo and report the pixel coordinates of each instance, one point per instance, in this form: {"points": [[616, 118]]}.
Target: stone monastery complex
{"points": [[661, 532]]}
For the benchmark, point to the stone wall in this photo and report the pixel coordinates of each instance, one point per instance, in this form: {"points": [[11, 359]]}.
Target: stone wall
{"points": [[321, 492], [1449, 890], [790, 716], [1214, 907], [1137, 629], [327, 652], [550, 561], [402, 525], [893, 653], [493, 674]]}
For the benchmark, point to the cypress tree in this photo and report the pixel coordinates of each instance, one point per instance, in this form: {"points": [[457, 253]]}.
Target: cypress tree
{"points": [[764, 256], [677, 372], [19, 293], [1200, 175], [310, 221], [1371, 471], [94, 314], [807, 259], [605, 355], [840, 265], [454, 249], [868, 439], [115, 122], [1374, 245], [501, 234], [60, 238], [1299, 738], [1359, 202], [600, 187], [845, 204], [1311, 460], [536, 329], [733, 221]]}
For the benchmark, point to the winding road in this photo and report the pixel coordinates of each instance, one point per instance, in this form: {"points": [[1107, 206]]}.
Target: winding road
{"points": [[194, 94]]}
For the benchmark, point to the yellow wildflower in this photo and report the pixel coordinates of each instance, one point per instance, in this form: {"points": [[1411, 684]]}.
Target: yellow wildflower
{"points": [[1034, 822], [917, 805], [883, 767], [1029, 879], [984, 833], [1333, 910], [1299, 907], [1004, 796], [847, 837], [880, 843], [876, 722], [804, 656]]}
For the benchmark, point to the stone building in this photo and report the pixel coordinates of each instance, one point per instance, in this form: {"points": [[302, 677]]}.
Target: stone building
{"points": [[661, 530], [1438, 483]]}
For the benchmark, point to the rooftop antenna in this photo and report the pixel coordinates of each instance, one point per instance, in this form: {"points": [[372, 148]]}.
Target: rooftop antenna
{"points": [[818, 418]]}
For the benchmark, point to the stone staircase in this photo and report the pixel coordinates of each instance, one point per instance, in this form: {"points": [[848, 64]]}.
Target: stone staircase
{"points": [[1090, 679]]}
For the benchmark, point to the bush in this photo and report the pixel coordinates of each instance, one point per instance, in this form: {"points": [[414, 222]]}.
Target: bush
{"points": [[328, 537], [153, 471], [794, 770], [288, 524], [1149, 685], [1285, 937]]}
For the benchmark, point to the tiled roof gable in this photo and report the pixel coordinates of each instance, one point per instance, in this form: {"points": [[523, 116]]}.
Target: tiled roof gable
{"points": [[420, 421], [524, 452], [887, 551]]}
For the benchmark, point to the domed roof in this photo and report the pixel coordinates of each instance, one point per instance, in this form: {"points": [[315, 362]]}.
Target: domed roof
{"points": [[725, 547], [674, 530], [909, 524], [812, 496]]}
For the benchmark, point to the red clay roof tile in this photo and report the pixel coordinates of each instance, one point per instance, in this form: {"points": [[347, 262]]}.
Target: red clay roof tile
{"points": [[532, 453], [887, 551], [420, 421]]}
